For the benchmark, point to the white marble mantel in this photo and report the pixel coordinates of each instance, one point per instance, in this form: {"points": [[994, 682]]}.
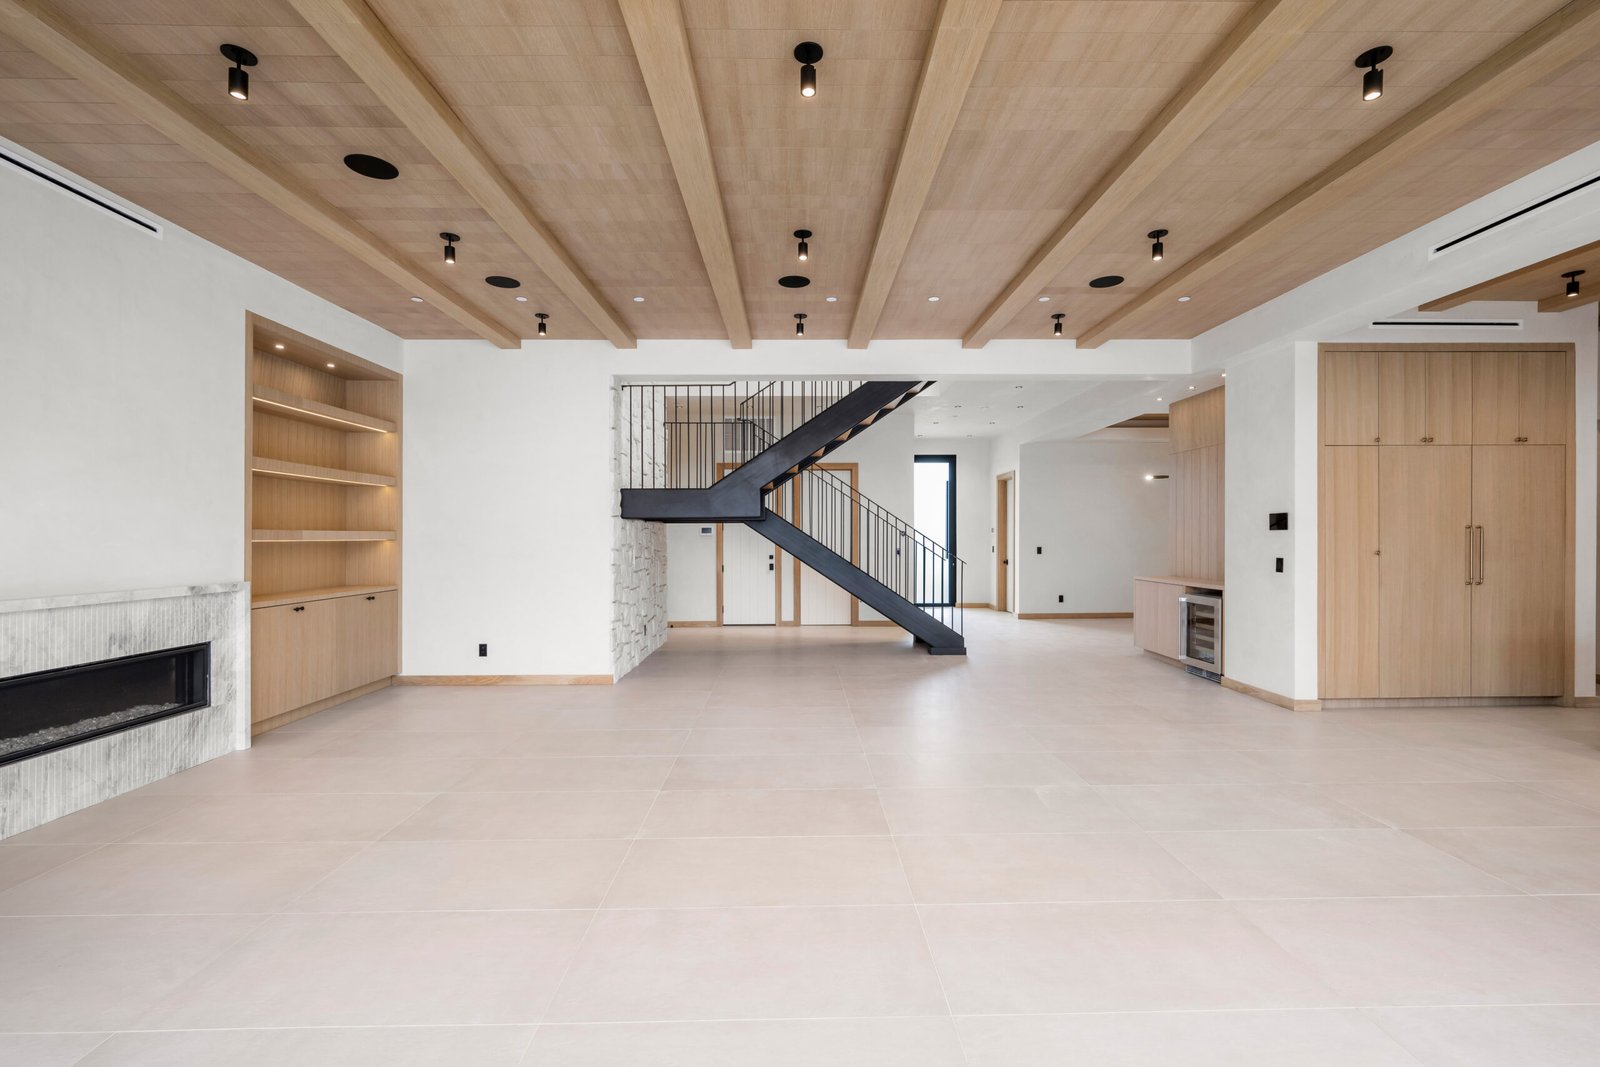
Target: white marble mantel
{"points": [[44, 633]]}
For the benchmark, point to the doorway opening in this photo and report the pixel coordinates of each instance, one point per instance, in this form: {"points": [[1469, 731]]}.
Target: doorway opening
{"points": [[934, 516]]}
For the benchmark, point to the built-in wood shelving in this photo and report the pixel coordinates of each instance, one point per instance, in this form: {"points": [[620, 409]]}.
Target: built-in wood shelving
{"points": [[272, 600], [322, 521], [304, 409], [260, 536], [282, 468]]}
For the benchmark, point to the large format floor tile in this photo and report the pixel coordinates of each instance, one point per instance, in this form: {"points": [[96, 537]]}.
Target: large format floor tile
{"points": [[396, 969], [750, 963], [1190, 1039], [813, 845], [927, 1042], [1044, 958]]}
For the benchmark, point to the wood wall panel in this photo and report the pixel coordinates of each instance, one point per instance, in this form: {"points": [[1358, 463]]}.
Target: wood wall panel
{"points": [[1348, 573], [1197, 502]]}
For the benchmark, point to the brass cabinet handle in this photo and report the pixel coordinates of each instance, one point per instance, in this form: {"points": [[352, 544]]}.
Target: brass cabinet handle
{"points": [[1480, 557], [1469, 553], [300, 607]]}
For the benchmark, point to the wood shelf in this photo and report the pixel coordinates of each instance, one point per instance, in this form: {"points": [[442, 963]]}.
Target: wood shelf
{"points": [[270, 600], [308, 472], [321, 535], [279, 402]]}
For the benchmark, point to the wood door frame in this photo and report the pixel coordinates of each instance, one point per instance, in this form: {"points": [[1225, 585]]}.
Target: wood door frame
{"points": [[1569, 650], [777, 561], [1005, 488], [855, 537]]}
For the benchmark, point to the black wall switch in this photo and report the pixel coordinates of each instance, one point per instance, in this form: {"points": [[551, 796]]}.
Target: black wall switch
{"points": [[1279, 567], [1038, 550], [1277, 520], [483, 650], [1061, 599]]}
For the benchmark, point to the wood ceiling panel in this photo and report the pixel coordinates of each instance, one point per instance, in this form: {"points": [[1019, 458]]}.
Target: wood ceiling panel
{"points": [[1046, 116], [1529, 132], [1304, 115], [553, 91], [787, 163]]}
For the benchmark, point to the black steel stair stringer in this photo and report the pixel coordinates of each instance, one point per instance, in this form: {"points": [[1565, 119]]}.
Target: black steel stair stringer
{"points": [[940, 639]]}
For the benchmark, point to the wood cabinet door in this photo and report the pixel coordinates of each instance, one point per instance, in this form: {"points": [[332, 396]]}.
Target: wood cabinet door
{"points": [[292, 660], [368, 636], [1521, 398], [1424, 601], [1348, 398], [1349, 573], [1425, 398], [1518, 631], [1156, 616]]}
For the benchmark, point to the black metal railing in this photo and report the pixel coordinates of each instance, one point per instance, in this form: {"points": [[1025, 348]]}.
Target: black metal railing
{"points": [[687, 435], [830, 509]]}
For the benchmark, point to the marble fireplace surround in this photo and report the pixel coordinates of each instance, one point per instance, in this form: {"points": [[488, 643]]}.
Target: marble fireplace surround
{"points": [[52, 632]]}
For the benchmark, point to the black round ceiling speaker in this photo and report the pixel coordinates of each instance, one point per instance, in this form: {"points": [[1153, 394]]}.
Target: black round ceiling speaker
{"points": [[794, 281], [1106, 282], [372, 167], [500, 281]]}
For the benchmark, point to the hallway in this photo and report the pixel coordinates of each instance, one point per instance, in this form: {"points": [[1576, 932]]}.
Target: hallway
{"points": [[812, 845]]}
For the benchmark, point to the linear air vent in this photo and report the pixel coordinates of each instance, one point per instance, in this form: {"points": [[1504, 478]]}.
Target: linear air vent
{"points": [[1451, 324], [1527, 209], [67, 185]]}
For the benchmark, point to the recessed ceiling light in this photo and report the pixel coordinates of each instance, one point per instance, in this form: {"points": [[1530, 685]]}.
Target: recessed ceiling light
{"points": [[831, 299], [330, 366], [638, 300], [279, 346], [1044, 300], [500, 281], [933, 300], [522, 300], [1183, 299], [1158, 400], [416, 300], [1191, 388], [372, 166], [1224, 374]]}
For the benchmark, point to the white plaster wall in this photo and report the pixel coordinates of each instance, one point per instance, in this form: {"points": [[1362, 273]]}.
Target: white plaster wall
{"points": [[122, 395], [1268, 468], [1099, 523], [509, 509]]}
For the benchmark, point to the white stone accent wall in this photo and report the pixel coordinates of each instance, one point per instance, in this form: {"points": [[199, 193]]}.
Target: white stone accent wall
{"points": [[52, 632], [638, 549]]}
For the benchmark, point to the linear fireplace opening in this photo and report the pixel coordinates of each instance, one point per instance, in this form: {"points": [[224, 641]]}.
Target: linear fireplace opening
{"points": [[53, 709]]}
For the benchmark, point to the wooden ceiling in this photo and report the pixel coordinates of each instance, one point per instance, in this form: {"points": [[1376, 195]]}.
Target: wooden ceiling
{"points": [[987, 152]]}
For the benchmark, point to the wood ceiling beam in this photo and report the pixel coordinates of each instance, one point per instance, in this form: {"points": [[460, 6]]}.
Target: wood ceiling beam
{"points": [[1560, 39], [661, 44], [354, 31], [1268, 31], [75, 51], [1562, 302], [1485, 290], [960, 32]]}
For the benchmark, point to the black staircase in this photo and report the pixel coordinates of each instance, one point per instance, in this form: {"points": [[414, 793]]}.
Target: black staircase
{"points": [[747, 452]]}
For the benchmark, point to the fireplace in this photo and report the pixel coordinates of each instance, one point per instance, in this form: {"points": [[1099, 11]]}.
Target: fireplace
{"points": [[52, 709]]}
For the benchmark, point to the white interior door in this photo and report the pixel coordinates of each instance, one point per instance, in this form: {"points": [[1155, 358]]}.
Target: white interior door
{"points": [[748, 589], [821, 602]]}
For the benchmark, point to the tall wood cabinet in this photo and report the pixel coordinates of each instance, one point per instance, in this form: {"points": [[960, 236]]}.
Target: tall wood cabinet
{"points": [[322, 524], [1195, 515], [1445, 522]]}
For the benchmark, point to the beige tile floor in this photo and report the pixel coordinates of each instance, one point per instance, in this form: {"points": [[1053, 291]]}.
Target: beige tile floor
{"points": [[820, 847]]}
